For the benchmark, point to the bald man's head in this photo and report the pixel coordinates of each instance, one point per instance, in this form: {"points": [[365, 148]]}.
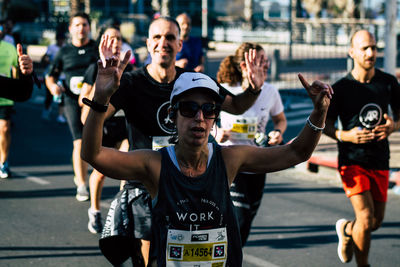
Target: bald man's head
{"points": [[361, 35], [363, 50]]}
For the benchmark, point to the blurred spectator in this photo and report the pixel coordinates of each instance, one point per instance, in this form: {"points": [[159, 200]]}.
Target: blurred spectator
{"points": [[73, 59], [115, 133], [8, 25], [8, 68], [47, 58], [116, 23], [191, 55], [248, 188]]}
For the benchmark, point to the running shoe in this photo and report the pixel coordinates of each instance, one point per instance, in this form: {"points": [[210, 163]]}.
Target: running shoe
{"points": [[5, 171], [81, 193], [95, 225], [61, 119], [345, 246]]}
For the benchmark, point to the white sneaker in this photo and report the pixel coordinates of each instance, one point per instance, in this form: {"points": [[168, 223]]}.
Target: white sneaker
{"points": [[4, 170], [95, 224], [81, 193], [345, 244]]}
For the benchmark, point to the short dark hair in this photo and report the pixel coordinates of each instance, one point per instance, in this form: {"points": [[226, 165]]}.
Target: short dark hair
{"points": [[169, 19], [81, 15]]}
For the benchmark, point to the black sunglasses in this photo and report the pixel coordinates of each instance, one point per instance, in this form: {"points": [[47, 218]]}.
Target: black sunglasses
{"points": [[189, 109]]}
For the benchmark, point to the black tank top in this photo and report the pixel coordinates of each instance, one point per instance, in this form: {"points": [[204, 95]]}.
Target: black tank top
{"points": [[193, 218]]}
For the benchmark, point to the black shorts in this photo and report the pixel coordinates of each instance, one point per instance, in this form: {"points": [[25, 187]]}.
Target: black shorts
{"points": [[114, 131], [72, 112], [6, 112], [246, 193]]}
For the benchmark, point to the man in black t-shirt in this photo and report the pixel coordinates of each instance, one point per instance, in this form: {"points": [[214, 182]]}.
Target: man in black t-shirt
{"points": [[73, 59], [361, 102], [144, 95]]}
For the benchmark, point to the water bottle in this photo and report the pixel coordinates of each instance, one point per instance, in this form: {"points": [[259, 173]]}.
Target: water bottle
{"points": [[57, 98], [261, 139]]}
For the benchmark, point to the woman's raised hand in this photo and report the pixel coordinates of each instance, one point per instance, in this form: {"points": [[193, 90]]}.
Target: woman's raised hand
{"points": [[319, 92], [110, 68]]}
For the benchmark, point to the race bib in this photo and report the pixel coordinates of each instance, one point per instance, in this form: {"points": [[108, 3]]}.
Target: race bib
{"points": [[160, 142], [75, 84], [203, 248], [244, 128]]}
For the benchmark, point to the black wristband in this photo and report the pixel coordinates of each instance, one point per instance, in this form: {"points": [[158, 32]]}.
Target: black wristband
{"points": [[277, 130], [94, 105], [253, 92]]}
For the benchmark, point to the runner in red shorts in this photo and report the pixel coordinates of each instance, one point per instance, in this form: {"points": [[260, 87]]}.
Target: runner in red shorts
{"points": [[361, 102]]}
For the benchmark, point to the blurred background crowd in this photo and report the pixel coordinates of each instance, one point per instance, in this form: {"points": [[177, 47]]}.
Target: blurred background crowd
{"points": [[289, 30]]}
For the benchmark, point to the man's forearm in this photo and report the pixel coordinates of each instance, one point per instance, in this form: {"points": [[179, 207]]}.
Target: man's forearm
{"points": [[50, 82], [330, 130]]}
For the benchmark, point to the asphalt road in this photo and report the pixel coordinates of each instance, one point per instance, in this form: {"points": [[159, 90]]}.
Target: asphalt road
{"points": [[43, 225]]}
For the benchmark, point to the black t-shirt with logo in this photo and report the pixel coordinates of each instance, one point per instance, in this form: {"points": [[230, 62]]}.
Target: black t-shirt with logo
{"points": [[73, 62], [363, 105]]}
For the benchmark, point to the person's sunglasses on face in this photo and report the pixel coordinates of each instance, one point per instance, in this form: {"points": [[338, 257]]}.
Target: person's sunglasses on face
{"points": [[189, 109]]}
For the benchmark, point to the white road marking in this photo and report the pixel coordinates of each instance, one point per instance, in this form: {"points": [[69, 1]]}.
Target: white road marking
{"points": [[254, 261], [37, 180], [34, 179]]}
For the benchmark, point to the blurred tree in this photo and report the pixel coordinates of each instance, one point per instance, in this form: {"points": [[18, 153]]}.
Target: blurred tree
{"points": [[314, 7], [80, 5], [163, 8], [344, 8], [334, 8]]}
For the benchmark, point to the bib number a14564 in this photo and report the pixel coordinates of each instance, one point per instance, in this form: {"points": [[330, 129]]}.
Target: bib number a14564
{"points": [[206, 248]]}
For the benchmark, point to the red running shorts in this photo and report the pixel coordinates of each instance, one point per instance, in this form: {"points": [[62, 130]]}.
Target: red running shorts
{"points": [[356, 180]]}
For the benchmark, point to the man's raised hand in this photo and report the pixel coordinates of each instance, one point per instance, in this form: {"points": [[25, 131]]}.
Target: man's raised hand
{"points": [[24, 61]]}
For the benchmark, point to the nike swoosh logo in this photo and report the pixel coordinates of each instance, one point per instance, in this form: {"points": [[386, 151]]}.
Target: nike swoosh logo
{"points": [[196, 79]]}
